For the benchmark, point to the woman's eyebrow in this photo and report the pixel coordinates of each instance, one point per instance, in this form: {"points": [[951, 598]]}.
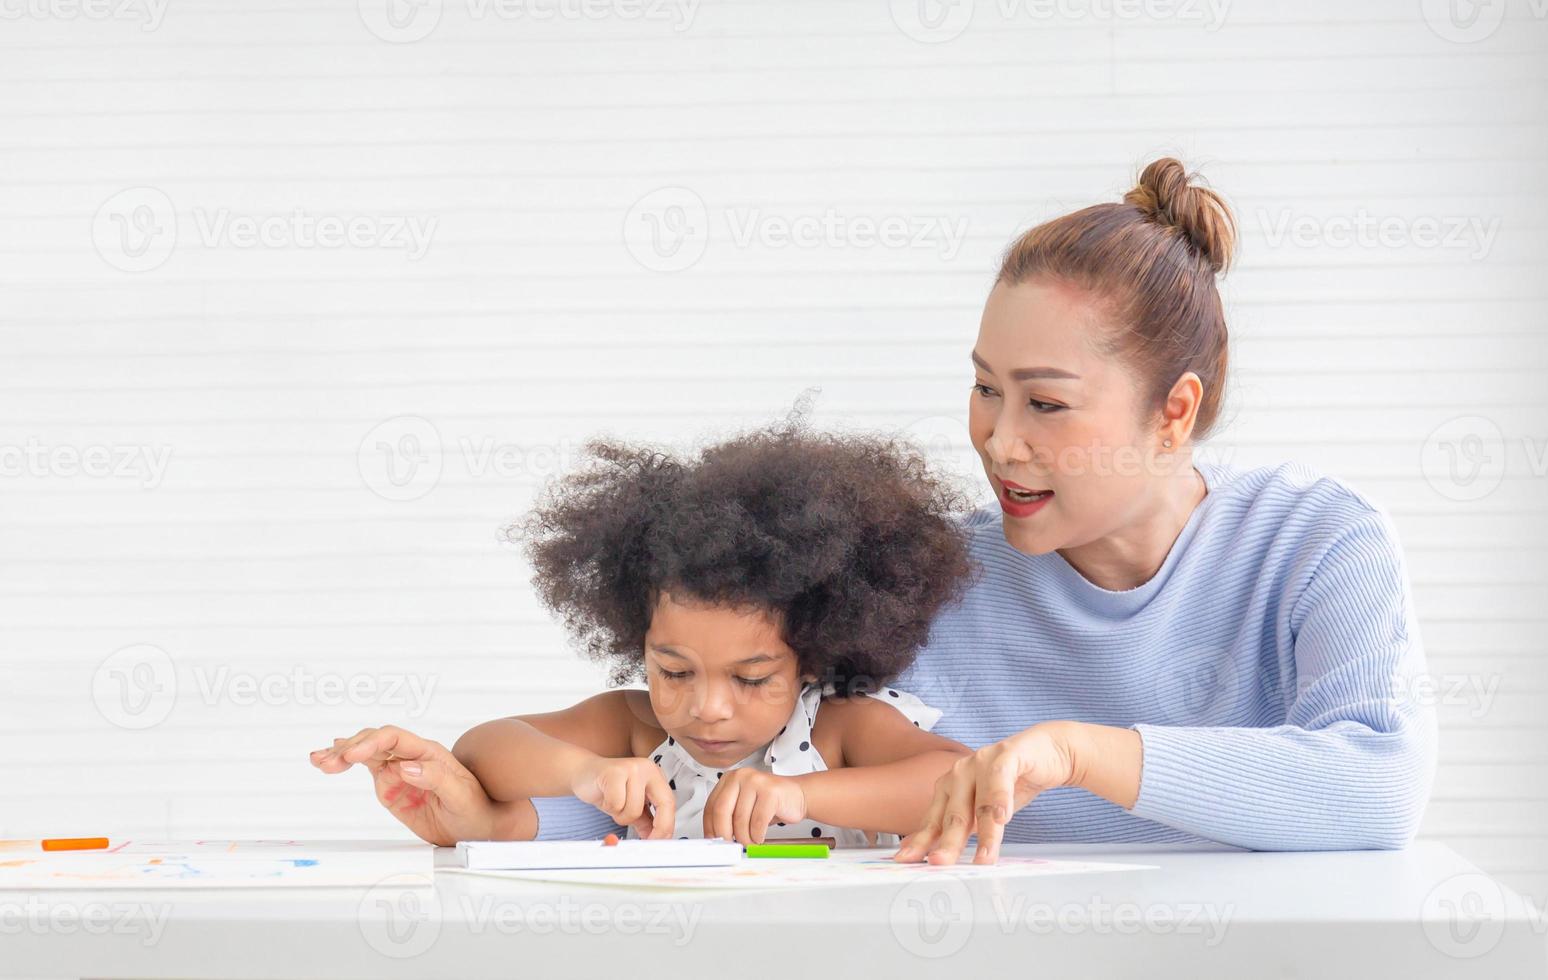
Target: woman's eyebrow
{"points": [[1029, 374]]}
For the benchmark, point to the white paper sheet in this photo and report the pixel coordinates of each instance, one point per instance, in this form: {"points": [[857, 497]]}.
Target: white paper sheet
{"points": [[213, 864]]}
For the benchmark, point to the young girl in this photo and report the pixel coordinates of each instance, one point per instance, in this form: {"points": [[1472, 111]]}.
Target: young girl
{"points": [[765, 590]]}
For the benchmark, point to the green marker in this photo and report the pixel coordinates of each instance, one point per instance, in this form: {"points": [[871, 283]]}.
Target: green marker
{"points": [[786, 850]]}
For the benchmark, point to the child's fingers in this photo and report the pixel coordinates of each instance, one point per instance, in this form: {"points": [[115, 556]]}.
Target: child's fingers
{"points": [[634, 801], [762, 814], [712, 805], [664, 800], [614, 789], [643, 827], [717, 818], [741, 817]]}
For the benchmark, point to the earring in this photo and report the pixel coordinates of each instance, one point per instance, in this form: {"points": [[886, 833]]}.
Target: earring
{"points": [[1167, 443]]}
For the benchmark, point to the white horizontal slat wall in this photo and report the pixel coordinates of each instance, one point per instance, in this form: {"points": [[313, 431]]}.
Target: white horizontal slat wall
{"points": [[505, 298]]}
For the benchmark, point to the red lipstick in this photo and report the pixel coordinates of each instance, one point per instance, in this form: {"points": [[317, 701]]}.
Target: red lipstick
{"points": [[1015, 507]]}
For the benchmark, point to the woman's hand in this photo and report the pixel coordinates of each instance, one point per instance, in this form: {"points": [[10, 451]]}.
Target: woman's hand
{"points": [[744, 801], [419, 781], [982, 790], [621, 788]]}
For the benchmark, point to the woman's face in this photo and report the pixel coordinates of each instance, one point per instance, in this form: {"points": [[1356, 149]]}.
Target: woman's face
{"points": [[722, 681], [1052, 413]]}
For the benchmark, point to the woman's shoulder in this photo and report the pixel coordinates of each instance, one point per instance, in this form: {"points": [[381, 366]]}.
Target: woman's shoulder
{"points": [[1293, 504], [1295, 526], [1291, 481]]}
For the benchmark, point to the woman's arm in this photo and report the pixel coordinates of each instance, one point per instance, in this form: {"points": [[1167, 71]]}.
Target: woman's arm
{"points": [[886, 770], [426, 788], [1352, 763], [1349, 767], [569, 818]]}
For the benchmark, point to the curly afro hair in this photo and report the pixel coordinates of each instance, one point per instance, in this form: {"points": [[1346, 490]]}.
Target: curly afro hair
{"points": [[849, 542]]}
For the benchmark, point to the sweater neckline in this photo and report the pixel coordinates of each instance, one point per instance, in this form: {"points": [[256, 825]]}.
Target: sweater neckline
{"points": [[1125, 602]]}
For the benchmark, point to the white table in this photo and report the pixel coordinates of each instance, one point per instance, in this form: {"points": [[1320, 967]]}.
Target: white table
{"points": [[1204, 912]]}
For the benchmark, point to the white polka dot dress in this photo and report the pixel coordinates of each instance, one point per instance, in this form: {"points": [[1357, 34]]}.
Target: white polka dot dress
{"points": [[790, 754]]}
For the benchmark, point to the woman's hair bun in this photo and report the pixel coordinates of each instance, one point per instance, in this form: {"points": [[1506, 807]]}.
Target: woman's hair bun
{"points": [[1166, 195]]}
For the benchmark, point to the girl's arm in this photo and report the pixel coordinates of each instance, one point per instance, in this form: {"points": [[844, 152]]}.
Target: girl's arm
{"points": [[524, 756], [588, 751], [884, 773]]}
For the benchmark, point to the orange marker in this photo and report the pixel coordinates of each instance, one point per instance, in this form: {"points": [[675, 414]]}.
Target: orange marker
{"points": [[75, 844], [611, 840]]}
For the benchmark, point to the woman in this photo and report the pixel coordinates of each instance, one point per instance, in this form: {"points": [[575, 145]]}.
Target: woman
{"points": [[1157, 649], [1161, 650]]}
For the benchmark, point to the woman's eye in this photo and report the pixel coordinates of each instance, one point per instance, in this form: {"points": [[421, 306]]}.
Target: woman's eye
{"points": [[1045, 408], [983, 391], [754, 681], [672, 675]]}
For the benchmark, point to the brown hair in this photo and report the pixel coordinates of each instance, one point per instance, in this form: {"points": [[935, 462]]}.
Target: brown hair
{"points": [[1151, 261], [849, 540]]}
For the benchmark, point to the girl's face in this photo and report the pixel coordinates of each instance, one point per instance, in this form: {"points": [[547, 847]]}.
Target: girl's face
{"points": [[722, 681], [1050, 412]]}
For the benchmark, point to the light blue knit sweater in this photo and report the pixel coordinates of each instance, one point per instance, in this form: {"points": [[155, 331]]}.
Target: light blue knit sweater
{"points": [[1264, 666]]}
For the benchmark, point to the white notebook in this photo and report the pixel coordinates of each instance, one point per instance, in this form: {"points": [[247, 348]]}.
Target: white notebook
{"points": [[527, 855]]}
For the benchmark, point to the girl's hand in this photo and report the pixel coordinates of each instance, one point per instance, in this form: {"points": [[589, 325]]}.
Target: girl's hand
{"points": [[982, 790], [418, 781], [621, 788], [744, 801]]}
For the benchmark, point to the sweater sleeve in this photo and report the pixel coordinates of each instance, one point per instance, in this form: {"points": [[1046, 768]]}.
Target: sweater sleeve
{"points": [[567, 818], [1352, 763]]}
